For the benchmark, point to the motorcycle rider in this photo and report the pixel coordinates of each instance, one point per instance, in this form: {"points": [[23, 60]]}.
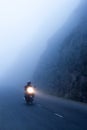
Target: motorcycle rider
{"points": [[29, 84]]}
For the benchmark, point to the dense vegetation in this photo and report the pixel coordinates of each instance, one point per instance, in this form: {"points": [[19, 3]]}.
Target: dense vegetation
{"points": [[62, 70]]}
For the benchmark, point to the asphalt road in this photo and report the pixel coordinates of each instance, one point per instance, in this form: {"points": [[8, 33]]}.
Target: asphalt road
{"points": [[47, 113]]}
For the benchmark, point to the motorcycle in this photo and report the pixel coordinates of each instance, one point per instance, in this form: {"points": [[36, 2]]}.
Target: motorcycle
{"points": [[29, 95]]}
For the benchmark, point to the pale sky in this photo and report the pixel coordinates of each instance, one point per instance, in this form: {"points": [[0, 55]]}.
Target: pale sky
{"points": [[21, 20]]}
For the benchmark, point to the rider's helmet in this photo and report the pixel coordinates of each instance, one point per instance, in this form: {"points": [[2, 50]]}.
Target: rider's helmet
{"points": [[29, 83]]}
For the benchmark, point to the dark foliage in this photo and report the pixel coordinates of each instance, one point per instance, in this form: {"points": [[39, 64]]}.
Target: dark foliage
{"points": [[62, 70]]}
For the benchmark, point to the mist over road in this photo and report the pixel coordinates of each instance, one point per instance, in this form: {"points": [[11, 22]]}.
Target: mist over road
{"points": [[47, 113]]}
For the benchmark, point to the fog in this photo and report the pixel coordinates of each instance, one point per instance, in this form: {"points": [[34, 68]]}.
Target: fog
{"points": [[25, 28]]}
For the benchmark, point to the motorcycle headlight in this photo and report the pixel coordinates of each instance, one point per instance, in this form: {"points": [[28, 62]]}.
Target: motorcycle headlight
{"points": [[30, 90]]}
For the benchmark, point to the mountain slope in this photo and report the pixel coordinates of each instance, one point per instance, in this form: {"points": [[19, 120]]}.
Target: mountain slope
{"points": [[62, 70]]}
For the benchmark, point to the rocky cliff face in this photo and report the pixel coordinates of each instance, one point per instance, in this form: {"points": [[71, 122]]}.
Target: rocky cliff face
{"points": [[62, 70]]}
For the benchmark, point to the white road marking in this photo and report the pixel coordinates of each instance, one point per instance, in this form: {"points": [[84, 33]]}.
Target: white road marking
{"points": [[58, 115]]}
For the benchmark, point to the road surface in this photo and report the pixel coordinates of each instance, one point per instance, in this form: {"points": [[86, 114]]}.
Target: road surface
{"points": [[47, 113]]}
